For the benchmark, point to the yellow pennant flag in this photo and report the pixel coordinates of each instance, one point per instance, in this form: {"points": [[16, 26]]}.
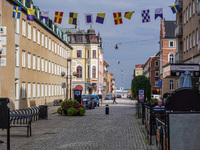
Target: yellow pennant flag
{"points": [[128, 15]]}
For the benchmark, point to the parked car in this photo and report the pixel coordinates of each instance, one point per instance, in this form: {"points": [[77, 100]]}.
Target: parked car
{"points": [[88, 101], [96, 98], [109, 97], [129, 96], [119, 96]]}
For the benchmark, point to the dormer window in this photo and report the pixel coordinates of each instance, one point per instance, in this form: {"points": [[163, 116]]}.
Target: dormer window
{"points": [[79, 38]]}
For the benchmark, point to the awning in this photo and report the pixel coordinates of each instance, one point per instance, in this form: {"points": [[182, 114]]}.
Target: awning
{"points": [[175, 70], [78, 87]]}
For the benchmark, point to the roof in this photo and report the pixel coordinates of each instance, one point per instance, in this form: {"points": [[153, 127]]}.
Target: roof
{"points": [[73, 31], [170, 29], [105, 63], [138, 66]]}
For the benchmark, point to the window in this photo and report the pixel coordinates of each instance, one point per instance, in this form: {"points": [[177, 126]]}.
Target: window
{"points": [[93, 72], [157, 64], [193, 5], [49, 43], [46, 41], [38, 63], [68, 38], [55, 47], [42, 64], [171, 85], [52, 46], [79, 53], [42, 39], [58, 72], [52, 90], [79, 38], [190, 11], [16, 89], [88, 53], [45, 90], [16, 56], [29, 31], [187, 14], [184, 17], [88, 73], [24, 27], [184, 45], [34, 62], [157, 74], [55, 68], [45, 65], [58, 49], [29, 90], [94, 54], [17, 26], [171, 43], [49, 67], [187, 42], [79, 72], [34, 34], [194, 39], [156, 83], [197, 36], [29, 60], [23, 90], [34, 92], [190, 38], [55, 90], [42, 90], [38, 37], [171, 58], [52, 68], [49, 89], [23, 59], [38, 90]]}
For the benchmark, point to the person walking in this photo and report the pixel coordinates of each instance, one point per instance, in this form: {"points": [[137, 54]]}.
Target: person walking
{"points": [[114, 100]]}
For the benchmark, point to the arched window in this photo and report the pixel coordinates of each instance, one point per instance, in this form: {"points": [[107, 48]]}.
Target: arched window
{"points": [[171, 85], [171, 58], [94, 54], [79, 72], [93, 72]]}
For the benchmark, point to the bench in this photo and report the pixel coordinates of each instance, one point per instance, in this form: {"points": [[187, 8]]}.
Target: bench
{"points": [[21, 120]]}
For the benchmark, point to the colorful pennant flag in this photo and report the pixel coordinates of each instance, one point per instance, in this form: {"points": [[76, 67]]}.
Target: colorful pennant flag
{"points": [[73, 18], [175, 8], [128, 15], [158, 13], [30, 14], [100, 18], [146, 16], [88, 19], [117, 18], [58, 17], [16, 12], [44, 15]]}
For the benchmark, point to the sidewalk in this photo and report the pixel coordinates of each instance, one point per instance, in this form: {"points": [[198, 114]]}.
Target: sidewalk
{"points": [[120, 130]]}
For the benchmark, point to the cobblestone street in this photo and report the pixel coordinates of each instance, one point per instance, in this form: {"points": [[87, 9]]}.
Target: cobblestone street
{"points": [[119, 130]]}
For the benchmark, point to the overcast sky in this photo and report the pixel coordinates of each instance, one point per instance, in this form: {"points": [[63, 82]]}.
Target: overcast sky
{"points": [[139, 40]]}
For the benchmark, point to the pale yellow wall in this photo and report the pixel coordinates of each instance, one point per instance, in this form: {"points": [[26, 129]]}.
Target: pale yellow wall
{"points": [[138, 72]]}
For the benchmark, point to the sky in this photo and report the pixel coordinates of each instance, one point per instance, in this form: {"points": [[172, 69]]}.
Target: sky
{"points": [[138, 40]]}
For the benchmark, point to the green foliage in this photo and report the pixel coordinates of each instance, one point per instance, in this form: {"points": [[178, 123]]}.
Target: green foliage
{"points": [[71, 108], [59, 111], [81, 111], [141, 82], [72, 111]]}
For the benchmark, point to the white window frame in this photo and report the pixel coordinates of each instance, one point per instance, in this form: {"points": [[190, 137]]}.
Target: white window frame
{"points": [[156, 83], [170, 43], [46, 90], [52, 94], [42, 64], [23, 90], [29, 31], [34, 90], [190, 11], [194, 7], [52, 70], [171, 85], [23, 59], [49, 67], [38, 37], [197, 31], [29, 60], [42, 39], [187, 43], [42, 90], [24, 27], [49, 43], [58, 49], [38, 63], [34, 62], [55, 47], [16, 56], [38, 90], [34, 34], [187, 14], [58, 71], [52, 46], [29, 90], [194, 38], [55, 88], [184, 44], [46, 42], [17, 26], [169, 58], [55, 67], [49, 90], [46, 65]]}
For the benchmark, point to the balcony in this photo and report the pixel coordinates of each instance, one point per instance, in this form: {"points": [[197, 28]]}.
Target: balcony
{"points": [[179, 3], [179, 30]]}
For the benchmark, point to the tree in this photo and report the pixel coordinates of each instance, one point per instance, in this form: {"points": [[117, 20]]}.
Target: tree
{"points": [[141, 82]]}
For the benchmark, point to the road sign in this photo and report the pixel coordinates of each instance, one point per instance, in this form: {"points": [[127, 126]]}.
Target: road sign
{"points": [[3, 61], [141, 92], [2, 30], [3, 40]]}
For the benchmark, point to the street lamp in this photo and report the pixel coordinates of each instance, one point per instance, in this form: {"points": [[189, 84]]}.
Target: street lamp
{"points": [[68, 60]]}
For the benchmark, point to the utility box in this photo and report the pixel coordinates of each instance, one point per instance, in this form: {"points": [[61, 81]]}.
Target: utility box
{"points": [[77, 95], [4, 113]]}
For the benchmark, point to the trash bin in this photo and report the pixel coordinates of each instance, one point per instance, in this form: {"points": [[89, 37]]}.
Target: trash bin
{"points": [[107, 109], [43, 112]]}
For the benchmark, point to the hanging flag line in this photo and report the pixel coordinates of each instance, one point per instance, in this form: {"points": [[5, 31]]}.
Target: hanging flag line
{"points": [[73, 16]]}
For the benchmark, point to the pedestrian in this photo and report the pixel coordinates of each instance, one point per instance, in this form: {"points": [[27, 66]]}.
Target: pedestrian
{"points": [[114, 100]]}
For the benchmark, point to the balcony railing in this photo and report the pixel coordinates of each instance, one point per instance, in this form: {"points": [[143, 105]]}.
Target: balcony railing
{"points": [[179, 30]]}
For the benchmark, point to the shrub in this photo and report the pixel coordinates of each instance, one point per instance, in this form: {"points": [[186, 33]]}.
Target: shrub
{"points": [[81, 111], [59, 111], [72, 111]]}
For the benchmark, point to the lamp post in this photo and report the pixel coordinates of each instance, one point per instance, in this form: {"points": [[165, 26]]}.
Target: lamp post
{"points": [[68, 60], [1, 49], [74, 74]]}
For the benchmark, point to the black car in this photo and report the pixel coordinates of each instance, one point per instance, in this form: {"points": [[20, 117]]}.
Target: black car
{"points": [[88, 101]]}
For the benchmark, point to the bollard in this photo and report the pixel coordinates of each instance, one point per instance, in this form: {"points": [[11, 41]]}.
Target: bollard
{"points": [[107, 109]]}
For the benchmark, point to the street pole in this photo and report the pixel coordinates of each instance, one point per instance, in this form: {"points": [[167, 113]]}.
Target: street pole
{"points": [[70, 81], [67, 82]]}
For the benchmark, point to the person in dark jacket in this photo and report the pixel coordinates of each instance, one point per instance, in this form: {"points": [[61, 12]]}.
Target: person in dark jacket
{"points": [[114, 99]]}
